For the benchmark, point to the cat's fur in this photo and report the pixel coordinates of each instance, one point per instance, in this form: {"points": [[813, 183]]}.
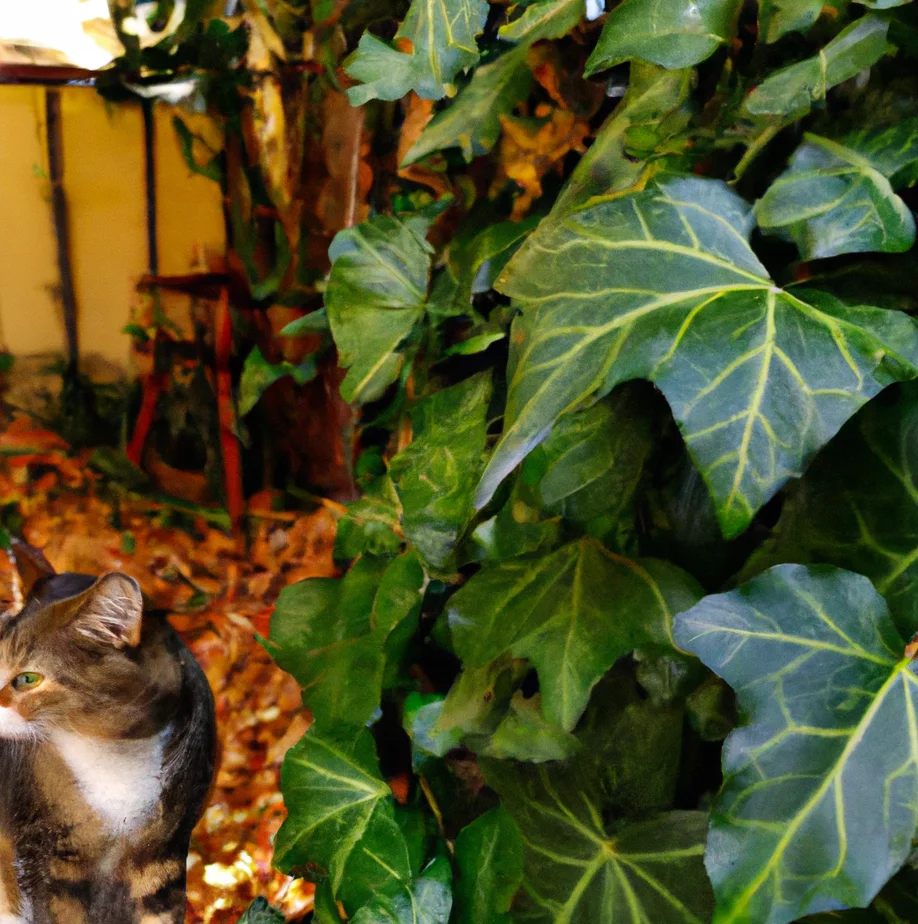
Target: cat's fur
{"points": [[106, 765]]}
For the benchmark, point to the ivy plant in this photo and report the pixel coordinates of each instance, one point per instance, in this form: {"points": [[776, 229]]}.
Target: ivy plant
{"points": [[629, 597], [624, 627]]}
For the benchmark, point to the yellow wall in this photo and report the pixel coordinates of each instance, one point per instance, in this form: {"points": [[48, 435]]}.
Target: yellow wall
{"points": [[104, 185]]}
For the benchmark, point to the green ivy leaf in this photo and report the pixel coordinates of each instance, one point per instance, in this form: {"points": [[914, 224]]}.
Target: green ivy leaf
{"points": [[489, 854], [442, 35], [891, 149], [435, 475], [869, 523], [258, 375], [572, 613], [524, 734], [371, 524], [472, 120], [424, 901], [778, 17], [833, 200], [420, 716], [375, 296], [550, 19], [820, 796], [792, 90], [593, 463], [480, 698], [326, 631], [578, 869], [757, 378], [260, 912], [655, 104], [340, 821], [670, 33]]}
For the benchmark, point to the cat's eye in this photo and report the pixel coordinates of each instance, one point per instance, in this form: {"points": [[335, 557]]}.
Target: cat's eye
{"points": [[28, 680]]}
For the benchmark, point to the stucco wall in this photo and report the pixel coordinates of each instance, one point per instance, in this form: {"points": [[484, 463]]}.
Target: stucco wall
{"points": [[104, 184]]}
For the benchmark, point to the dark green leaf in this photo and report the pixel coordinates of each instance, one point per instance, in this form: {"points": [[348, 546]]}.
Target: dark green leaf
{"points": [[212, 169], [489, 854], [593, 462], [778, 17], [580, 870], [435, 475], [792, 90], [371, 524], [340, 817], [260, 912], [549, 19], [472, 120], [258, 375], [572, 613], [655, 104], [820, 796], [833, 200], [423, 901], [480, 698], [523, 734], [670, 33], [326, 631], [375, 296], [316, 322], [891, 149], [858, 505], [757, 378], [421, 713]]}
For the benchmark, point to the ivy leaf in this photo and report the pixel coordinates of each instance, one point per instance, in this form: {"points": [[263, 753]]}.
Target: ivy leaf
{"points": [[572, 613], [421, 713], [891, 149], [324, 651], [550, 19], [489, 854], [435, 475], [838, 516], [523, 734], [757, 378], [820, 796], [778, 17], [371, 524], [340, 820], [442, 35], [472, 120], [670, 33], [260, 912], [792, 90], [375, 296], [425, 900], [472, 269], [383, 71], [593, 462], [655, 104], [833, 200], [258, 375], [577, 869]]}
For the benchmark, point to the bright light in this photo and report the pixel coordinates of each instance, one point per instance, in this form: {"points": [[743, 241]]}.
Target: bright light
{"points": [[79, 29]]}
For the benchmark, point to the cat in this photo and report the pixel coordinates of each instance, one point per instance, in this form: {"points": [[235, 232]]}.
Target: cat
{"points": [[107, 756]]}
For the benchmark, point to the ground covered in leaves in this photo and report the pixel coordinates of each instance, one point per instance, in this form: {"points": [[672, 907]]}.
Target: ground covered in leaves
{"points": [[220, 592]]}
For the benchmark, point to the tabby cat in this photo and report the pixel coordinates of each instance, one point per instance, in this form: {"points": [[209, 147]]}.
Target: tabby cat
{"points": [[107, 752]]}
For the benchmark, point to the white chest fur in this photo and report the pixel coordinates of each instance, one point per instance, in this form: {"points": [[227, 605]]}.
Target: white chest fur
{"points": [[120, 780]]}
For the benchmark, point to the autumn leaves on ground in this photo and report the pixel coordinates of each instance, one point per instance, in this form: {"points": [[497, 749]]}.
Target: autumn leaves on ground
{"points": [[220, 593]]}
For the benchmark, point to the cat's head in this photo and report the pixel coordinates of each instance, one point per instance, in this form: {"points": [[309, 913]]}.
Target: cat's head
{"points": [[68, 660]]}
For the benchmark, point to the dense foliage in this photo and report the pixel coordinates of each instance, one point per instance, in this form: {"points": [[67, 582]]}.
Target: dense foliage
{"points": [[623, 632]]}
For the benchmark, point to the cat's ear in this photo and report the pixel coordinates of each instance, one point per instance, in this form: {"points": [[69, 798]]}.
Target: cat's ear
{"points": [[111, 611], [31, 565]]}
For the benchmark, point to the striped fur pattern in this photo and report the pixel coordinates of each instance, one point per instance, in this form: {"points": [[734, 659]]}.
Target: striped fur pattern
{"points": [[105, 763]]}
